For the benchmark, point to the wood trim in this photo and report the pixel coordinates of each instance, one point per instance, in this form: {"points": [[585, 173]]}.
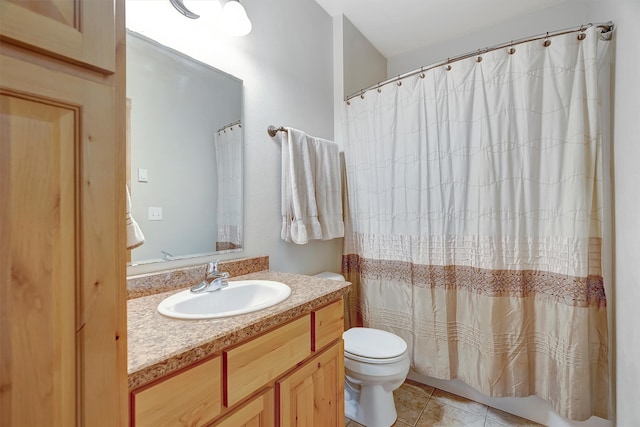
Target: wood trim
{"points": [[88, 42], [120, 81]]}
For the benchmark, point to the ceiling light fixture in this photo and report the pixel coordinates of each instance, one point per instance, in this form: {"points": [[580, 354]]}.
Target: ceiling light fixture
{"points": [[234, 19]]}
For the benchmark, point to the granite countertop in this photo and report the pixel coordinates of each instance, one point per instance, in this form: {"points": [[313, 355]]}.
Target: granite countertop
{"points": [[158, 345]]}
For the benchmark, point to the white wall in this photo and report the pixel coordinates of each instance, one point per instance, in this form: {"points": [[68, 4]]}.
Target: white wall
{"points": [[626, 176], [363, 64], [286, 65], [564, 15]]}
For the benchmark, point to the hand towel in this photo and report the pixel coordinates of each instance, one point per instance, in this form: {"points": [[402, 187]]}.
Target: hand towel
{"points": [[328, 187], [135, 237], [311, 198]]}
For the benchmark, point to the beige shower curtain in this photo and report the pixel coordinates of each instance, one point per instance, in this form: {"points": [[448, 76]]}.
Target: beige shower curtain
{"points": [[475, 222]]}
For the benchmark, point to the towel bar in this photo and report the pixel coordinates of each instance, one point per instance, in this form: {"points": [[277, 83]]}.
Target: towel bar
{"points": [[272, 130]]}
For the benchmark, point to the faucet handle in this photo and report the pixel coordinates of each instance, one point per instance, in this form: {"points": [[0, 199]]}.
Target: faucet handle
{"points": [[212, 267]]}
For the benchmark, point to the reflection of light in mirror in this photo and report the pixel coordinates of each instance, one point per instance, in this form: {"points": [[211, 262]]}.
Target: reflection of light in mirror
{"points": [[198, 38], [160, 21], [235, 21]]}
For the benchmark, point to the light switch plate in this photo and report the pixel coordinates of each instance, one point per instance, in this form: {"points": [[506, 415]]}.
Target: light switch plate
{"points": [[155, 214], [143, 175]]}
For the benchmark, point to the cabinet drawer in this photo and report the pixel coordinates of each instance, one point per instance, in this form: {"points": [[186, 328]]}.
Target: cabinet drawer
{"points": [[251, 365], [190, 398], [327, 325]]}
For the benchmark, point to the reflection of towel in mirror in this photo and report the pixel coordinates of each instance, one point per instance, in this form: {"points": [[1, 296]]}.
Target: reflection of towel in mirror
{"points": [[135, 237], [311, 188]]}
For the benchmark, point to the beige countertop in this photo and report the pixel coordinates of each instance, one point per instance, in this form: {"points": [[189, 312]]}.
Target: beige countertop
{"points": [[159, 345]]}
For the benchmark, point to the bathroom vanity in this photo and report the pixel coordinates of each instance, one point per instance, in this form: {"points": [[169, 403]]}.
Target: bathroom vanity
{"points": [[279, 366]]}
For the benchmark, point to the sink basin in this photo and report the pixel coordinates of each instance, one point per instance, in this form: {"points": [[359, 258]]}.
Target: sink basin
{"points": [[241, 296]]}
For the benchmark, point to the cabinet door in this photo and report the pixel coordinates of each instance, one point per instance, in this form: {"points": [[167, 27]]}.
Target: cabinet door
{"points": [[59, 271], [258, 412], [80, 31], [313, 395]]}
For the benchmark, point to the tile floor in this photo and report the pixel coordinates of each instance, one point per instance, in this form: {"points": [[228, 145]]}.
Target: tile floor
{"points": [[419, 405]]}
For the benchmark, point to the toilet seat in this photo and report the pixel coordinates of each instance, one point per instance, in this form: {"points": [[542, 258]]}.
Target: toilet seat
{"points": [[374, 346]]}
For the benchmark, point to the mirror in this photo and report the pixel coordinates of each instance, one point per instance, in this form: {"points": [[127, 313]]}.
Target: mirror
{"points": [[185, 154]]}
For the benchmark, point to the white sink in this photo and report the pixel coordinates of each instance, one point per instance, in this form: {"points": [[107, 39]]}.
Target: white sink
{"points": [[241, 296]]}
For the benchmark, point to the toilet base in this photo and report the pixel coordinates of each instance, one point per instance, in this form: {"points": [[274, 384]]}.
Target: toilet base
{"points": [[371, 406]]}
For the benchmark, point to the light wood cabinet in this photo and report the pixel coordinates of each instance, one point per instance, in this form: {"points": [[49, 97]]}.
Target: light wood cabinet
{"points": [[62, 270], [313, 395], [309, 385], [190, 398]]}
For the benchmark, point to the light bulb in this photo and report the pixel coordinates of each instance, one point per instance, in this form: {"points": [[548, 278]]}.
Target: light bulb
{"points": [[207, 9], [235, 21]]}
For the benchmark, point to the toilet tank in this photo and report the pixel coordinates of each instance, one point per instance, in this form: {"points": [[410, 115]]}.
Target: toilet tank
{"points": [[330, 275]]}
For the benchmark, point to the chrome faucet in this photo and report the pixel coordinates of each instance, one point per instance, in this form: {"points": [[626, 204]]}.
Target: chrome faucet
{"points": [[214, 280]]}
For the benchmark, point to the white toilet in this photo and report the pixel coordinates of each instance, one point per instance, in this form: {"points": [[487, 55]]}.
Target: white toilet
{"points": [[376, 363]]}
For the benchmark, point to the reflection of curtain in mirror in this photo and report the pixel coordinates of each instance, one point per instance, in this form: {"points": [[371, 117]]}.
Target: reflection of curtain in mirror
{"points": [[228, 145]]}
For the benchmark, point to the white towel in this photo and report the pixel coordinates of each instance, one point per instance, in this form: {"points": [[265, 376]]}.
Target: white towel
{"points": [[135, 237], [311, 198]]}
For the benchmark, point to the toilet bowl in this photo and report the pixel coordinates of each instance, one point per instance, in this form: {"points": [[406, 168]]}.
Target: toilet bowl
{"points": [[376, 363]]}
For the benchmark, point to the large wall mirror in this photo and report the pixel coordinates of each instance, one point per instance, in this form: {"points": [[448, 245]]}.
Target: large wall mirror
{"points": [[185, 154]]}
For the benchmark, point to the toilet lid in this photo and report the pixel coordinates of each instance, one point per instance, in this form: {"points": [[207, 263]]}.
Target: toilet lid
{"points": [[373, 343]]}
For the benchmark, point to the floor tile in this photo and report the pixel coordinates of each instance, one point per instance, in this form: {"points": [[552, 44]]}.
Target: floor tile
{"points": [[409, 404], [459, 402], [439, 414], [497, 418], [418, 388]]}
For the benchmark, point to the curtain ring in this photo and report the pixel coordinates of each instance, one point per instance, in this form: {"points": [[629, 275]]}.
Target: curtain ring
{"points": [[348, 102], [422, 72], [379, 90], [511, 50], [582, 36], [448, 65], [399, 83], [547, 42]]}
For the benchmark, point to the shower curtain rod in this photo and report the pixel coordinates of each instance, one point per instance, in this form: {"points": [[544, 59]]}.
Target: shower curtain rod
{"points": [[607, 27], [237, 122]]}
